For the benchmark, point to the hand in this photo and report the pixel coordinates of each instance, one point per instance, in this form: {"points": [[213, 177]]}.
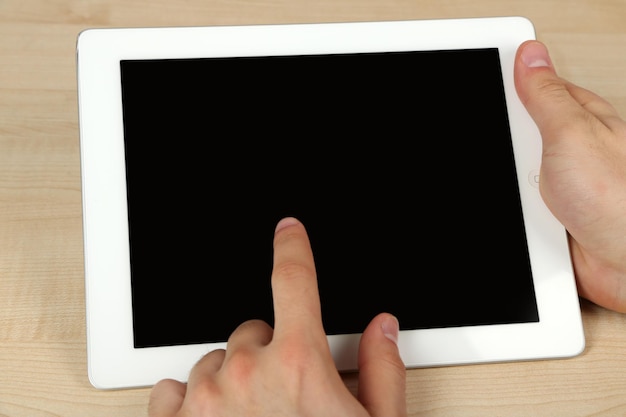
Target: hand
{"points": [[289, 370], [583, 172]]}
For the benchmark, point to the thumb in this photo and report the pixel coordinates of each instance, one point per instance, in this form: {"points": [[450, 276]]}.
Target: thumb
{"points": [[382, 374], [553, 103], [560, 109]]}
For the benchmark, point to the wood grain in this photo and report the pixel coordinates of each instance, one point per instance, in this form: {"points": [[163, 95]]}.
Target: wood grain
{"points": [[42, 323]]}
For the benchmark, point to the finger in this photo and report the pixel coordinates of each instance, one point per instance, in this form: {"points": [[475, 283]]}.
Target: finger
{"points": [[166, 398], [294, 281], [382, 374], [551, 101], [203, 372], [596, 105], [251, 333]]}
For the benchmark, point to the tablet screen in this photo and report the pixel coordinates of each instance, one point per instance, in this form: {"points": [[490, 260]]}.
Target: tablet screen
{"points": [[399, 164]]}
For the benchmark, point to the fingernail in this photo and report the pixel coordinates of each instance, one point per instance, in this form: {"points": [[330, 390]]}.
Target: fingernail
{"points": [[535, 55], [287, 221], [391, 328]]}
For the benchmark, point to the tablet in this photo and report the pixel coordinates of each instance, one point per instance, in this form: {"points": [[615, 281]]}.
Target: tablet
{"points": [[409, 138]]}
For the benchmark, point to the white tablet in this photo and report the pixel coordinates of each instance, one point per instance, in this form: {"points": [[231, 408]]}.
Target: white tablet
{"points": [[409, 138]]}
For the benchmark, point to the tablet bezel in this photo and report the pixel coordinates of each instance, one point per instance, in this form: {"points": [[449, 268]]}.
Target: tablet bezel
{"points": [[114, 363]]}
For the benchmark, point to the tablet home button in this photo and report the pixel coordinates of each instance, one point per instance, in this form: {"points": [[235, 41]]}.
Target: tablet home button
{"points": [[533, 178]]}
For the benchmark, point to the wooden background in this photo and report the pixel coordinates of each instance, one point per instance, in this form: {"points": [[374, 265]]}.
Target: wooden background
{"points": [[42, 323]]}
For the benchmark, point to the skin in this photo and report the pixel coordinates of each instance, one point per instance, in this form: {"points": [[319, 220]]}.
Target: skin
{"points": [[289, 371], [583, 172]]}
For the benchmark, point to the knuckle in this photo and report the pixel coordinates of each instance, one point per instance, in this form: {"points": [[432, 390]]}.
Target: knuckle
{"points": [[242, 366], [252, 324], [203, 400], [292, 271], [552, 88]]}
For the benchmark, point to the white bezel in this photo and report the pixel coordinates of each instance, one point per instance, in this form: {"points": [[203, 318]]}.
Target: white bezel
{"points": [[114, 363]]}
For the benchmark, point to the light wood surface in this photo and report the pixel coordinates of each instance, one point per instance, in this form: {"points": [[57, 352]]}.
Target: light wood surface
{"points": [[42, 311]]}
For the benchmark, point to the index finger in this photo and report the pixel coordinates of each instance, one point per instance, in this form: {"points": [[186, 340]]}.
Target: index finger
{"points": [[294, 281]]}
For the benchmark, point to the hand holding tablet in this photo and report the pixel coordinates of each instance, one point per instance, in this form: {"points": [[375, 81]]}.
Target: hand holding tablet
{"points": [[589, 199], [141, 130]]}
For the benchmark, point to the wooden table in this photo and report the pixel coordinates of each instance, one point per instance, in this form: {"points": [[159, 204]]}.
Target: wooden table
{"points": [[42, 310]]}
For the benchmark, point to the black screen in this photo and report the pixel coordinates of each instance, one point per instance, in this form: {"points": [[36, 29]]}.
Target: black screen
{"points": [[400, 165]]}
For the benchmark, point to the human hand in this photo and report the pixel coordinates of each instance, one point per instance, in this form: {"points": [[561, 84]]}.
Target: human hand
{"points": [[583, 172], [289, 370]]}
